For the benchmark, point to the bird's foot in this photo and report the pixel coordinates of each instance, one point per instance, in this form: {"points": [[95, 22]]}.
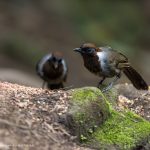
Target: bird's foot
{"points": [[107, 87], [104, 90], [101, 87], [110, 85]]}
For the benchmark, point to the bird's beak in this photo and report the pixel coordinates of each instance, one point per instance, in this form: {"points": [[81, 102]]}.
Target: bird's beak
{"points": [[77, 50]]}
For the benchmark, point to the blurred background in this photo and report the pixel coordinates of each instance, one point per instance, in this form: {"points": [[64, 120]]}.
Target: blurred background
{"points": [[29, 29]]}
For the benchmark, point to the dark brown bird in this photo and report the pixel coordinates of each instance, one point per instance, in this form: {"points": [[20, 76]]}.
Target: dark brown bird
{"points": [[106, 63], [53, 70]]}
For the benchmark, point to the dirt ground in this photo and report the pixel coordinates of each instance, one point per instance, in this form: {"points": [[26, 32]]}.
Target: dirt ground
{"points": [[135, 100], [30, 117]]}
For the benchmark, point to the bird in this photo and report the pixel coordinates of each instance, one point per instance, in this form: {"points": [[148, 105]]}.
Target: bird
{"points": [[106, 62], [52, 68]]}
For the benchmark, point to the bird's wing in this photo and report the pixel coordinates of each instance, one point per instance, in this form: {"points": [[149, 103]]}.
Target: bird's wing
{"points": [[65, 70], [121, 57], [106, 48], [114, 55], [40, 64]]}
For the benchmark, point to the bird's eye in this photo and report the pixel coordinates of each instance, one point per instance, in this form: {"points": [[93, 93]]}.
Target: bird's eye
{"points": [[90, 50]]}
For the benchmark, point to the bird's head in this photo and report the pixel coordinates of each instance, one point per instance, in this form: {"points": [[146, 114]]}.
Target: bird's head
{"points": [[86, 49], [55, 60]]}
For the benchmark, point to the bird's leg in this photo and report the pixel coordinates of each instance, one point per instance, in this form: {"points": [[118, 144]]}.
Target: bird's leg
{"points": [[43, 85], [112, 83], [101, 81]]}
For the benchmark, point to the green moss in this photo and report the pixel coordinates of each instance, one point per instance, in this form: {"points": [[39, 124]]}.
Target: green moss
{"points": [[123, 129], [98, 124], [88, 110], [83, 95]]}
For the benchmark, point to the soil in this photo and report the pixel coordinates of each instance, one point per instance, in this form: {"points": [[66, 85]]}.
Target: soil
{"points": [[29, 119]]}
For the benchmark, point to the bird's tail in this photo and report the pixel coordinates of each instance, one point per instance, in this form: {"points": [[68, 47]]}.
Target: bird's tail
{"points": [[135, 78]]}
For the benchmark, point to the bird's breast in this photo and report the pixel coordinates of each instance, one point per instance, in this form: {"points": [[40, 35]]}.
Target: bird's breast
{"points": [[53, 75], [92, 64]]}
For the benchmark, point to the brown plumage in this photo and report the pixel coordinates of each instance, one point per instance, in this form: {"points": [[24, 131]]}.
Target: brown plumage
{"points": [[53, 70], [135, 78], [106, 63]]}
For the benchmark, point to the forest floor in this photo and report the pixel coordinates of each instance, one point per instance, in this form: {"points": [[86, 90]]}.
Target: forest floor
{"points": [[30, 117], [134, 100]]}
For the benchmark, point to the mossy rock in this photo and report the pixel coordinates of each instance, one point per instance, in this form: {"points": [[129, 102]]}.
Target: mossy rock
{"points": [[92, 118], [112, 96], [88, 110], [123, 130]]}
